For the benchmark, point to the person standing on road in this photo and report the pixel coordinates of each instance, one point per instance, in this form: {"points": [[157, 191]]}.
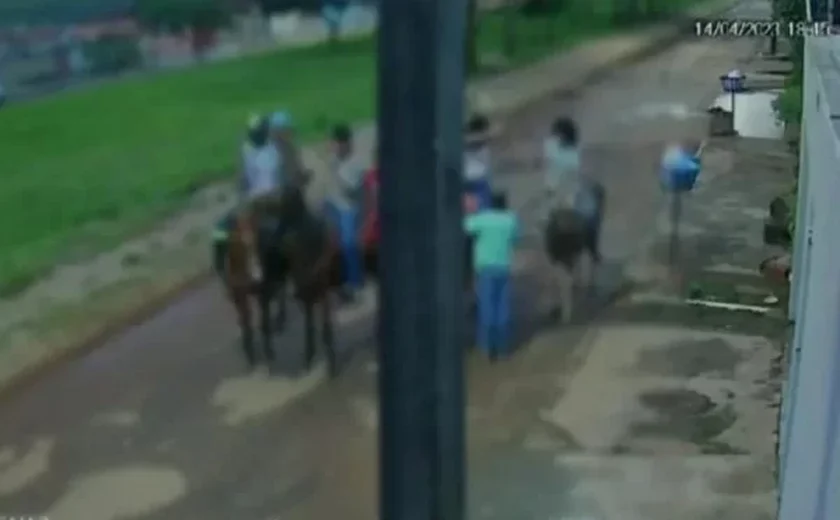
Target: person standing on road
{"points": [[477, 162], [344, 205], [495, 232]]}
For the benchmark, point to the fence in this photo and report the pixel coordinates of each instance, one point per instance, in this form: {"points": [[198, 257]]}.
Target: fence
{"points": [[810, 429], [58, 62]]}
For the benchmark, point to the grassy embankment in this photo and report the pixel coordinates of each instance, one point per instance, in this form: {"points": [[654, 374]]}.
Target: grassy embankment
{"points": [[82, 171]]}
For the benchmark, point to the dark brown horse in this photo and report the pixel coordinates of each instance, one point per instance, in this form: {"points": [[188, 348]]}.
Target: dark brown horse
{"points": [[312, 259], [276, 240], [569, 237], [254, 269]]}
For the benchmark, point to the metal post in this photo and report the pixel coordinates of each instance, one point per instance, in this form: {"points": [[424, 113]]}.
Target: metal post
{"points": [[732, 95], [674, 242], [421, 88]]}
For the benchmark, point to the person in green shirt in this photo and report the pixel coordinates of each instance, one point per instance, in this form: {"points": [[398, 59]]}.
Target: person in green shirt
{"points": [[495, 232]]}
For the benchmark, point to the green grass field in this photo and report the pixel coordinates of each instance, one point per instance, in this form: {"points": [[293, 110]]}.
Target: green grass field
{"points": [[82, 171]]}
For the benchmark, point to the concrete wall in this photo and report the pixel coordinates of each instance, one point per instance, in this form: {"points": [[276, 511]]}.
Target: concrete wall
{"points": [[810, 443]]}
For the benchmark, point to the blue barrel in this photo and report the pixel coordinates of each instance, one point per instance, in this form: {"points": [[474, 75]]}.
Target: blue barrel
{"points": [[731, 83], [680, 177]]}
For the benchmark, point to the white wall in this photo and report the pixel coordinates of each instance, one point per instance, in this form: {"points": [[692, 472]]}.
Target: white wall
{"points": [[810, 479]]}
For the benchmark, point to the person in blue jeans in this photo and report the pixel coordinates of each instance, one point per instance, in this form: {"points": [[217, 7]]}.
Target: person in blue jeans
{"points": [[344, 206], [495, 232]]}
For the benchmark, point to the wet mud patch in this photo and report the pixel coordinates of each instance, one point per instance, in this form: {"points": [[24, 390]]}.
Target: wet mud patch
{"points": [[753, 479], [685, 415], [698, 318], [514, 484], [690, 358], [715, 244]]}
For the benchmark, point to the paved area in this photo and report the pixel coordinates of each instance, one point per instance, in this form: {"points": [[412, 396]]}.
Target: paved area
{"points": [[611, 418], [86, 295]]}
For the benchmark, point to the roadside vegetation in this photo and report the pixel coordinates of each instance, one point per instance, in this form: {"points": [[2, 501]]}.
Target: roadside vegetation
{"points": [[788, 105], [82, 171]]}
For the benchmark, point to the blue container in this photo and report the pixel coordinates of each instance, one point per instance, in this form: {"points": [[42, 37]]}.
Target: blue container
{"points": [[681, 177], [732, 84]]}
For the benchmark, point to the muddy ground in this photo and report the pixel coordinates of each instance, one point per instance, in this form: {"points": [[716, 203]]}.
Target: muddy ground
{"points": [[642, 409]]}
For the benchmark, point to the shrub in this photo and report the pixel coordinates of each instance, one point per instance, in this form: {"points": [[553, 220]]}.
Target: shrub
{"points": [[109, 54]]}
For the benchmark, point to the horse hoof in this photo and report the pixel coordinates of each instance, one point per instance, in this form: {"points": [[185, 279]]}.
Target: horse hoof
{"points": [[332, 367]]}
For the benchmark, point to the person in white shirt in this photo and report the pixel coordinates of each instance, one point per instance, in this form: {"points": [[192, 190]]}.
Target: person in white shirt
{"points": [[344, 204], [567, 186], [477, 162], [261, 161], [561, 154]]}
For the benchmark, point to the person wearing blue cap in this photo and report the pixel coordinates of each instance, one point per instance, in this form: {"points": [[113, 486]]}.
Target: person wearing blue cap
{"points": [[291, 168]]}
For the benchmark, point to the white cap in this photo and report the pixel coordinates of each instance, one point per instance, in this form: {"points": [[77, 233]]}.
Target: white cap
{"points": [[254, 121]]}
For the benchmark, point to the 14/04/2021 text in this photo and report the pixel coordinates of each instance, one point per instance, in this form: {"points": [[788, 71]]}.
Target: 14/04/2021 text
{"points": [[760, 28]]}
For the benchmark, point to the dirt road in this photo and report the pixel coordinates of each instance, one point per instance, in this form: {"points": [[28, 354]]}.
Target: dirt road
{"points": [[161, 423]]}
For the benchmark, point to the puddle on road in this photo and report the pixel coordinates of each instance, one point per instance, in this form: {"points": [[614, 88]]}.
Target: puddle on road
{"points": [[515, 485], [686, 415], [754, 114], [691, 358], [676, 402]]}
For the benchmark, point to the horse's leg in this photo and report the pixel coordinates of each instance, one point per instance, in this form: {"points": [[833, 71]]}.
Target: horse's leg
{"points": [[281, 294], [308, 333], [593, 251], [327, 333], [565, 279], [266, 294], [241, 303]]}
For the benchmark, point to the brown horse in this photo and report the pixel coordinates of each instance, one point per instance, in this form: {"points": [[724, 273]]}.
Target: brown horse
{"points": [[278, 239], [568, 238], [254, 270], [316, 268]]}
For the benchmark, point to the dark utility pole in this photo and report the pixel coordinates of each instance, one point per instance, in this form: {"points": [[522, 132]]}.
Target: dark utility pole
{"points": [[421, 389]]}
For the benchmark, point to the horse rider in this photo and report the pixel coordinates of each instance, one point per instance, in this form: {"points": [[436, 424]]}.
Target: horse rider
{"points": [[344, 205], [292, 170], [261, 161], [260, 178], [565, 183], [561, 155], [477, 162]]}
